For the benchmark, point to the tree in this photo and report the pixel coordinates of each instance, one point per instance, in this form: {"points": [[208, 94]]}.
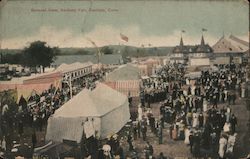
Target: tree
{"points": [[11, 58], [39, 54], [106, 50]]}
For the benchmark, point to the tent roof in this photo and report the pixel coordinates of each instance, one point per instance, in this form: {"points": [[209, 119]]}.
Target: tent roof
{"points": [[193, 75], [124, 72], [230, 44], [97, 102], [72, 67]]}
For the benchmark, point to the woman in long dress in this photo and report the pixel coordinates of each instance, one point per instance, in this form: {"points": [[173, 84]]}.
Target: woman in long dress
{"points": [[140, 113], [3, 144], [187, 134], [195, 120], [193, 90], [243, 90], [204, 105], [222, 147]]}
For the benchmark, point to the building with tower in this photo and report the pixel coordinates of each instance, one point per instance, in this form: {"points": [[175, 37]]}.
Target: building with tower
{"points": [[192, 54]]}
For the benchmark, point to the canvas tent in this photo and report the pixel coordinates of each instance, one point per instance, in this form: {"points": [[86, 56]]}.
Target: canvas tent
{"points": [[193, 75], [72, 67], [125, 79], [124, 72], [103, 105]]}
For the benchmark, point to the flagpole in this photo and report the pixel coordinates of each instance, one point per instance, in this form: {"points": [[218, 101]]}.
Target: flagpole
{"points": [[124, 38], [98, 54]]}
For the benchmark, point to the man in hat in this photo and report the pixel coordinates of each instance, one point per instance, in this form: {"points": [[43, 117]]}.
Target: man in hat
{"points": [[233, 97], [115, 143], [135, 130], [191, 141], [233, 122], [149, 151], [129, 140], [160, 134], [119, 153], [144, 131], [161, 156]]}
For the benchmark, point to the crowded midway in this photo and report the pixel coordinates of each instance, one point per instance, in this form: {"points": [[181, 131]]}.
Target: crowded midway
{"points": [[195, 111]]}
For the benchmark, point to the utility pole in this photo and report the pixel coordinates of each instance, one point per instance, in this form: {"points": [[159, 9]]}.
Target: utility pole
{"points": [[70, 86]]}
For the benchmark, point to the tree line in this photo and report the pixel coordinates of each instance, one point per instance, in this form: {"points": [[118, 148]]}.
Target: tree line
{"points": [[37, 54]]}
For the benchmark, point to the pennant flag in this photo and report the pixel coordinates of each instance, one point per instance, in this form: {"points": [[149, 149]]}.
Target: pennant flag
{"points": [[203, 29], [183, 31], [92, 42], [124, 37]]}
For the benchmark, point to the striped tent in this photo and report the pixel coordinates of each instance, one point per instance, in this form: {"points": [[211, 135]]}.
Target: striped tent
{"points": [[125, 79]]}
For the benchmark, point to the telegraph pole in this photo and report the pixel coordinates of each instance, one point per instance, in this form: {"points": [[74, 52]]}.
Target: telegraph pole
{"points": [[70, 86]]}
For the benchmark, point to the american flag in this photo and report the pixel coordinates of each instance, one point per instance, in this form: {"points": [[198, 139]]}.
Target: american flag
{"points": [[124, 37]]}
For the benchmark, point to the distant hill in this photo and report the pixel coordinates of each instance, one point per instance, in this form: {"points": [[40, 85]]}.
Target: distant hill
{"points": [[10, 51], [125, 51]]}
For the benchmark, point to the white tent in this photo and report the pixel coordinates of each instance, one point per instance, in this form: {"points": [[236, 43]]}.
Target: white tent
{"points": [[72, 67], [125, 79], [107, 107], [124, 73], [193, 75]]}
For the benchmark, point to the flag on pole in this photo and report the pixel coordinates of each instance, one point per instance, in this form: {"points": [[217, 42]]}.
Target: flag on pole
{"points": [[92, 42], [203, 29], [183, 31], [124, 37]]}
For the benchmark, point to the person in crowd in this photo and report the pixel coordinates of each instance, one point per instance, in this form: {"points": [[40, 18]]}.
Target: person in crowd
{"points": [[33, 138], [233, 122], [161, 156], [160, 135], [120, 152], [222, 146], [149, 151], [130, 141], [135, 130], [144, 131]]}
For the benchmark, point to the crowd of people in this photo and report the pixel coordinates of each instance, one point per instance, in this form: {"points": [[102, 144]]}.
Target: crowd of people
{"points": [[196, 110], [34, 112]]}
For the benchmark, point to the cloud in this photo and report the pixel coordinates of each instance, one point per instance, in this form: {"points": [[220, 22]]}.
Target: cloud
{"points": [[104, 35]]}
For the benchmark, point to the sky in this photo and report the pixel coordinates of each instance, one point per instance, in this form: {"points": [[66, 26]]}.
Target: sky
{"points": [[158, 23]]}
